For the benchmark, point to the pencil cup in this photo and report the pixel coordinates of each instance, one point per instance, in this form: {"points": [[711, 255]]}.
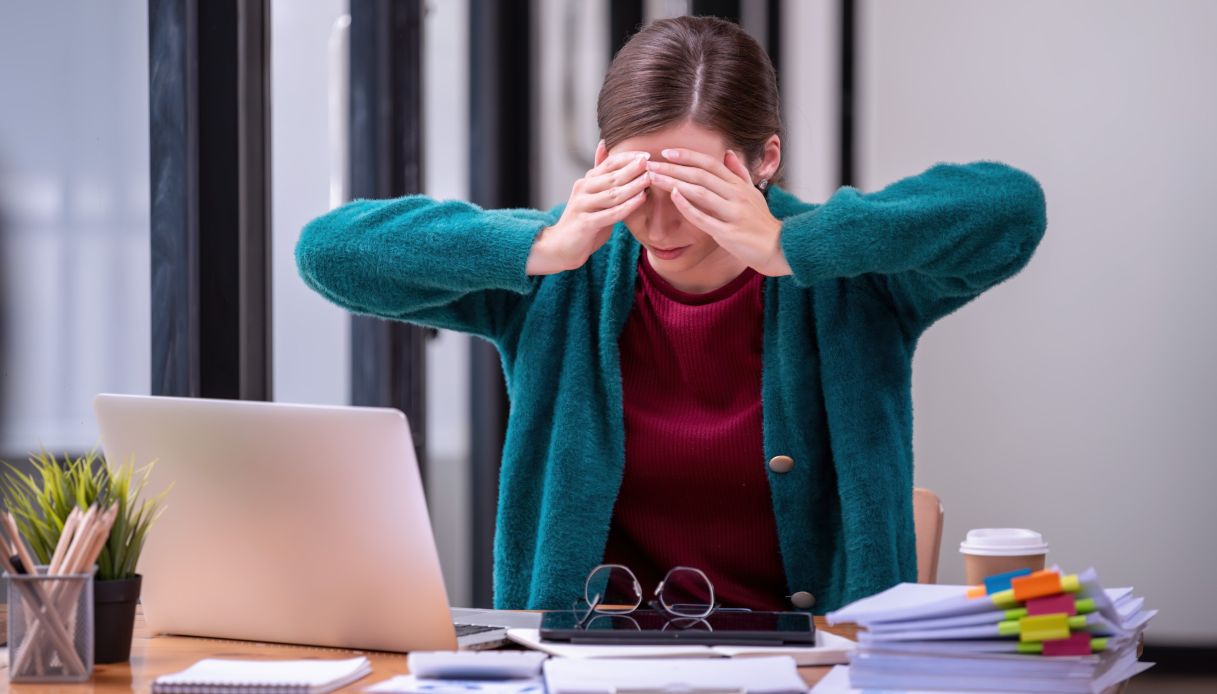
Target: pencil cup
{"points": [[50, 627]]}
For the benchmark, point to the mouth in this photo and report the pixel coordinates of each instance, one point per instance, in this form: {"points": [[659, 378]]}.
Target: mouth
{"points": [[667, 253]]}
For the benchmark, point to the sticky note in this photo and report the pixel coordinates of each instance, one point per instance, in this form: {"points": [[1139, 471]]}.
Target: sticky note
{"points": [[1049, 627], [1055, 604], [1077, 644], [999, 582], [1037, 585]]}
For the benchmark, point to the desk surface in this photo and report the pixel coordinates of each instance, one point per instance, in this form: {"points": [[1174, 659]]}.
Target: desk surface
{"points": [[152, 656]]}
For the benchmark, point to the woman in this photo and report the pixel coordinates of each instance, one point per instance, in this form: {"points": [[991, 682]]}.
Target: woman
{"points": [[703, 369]]}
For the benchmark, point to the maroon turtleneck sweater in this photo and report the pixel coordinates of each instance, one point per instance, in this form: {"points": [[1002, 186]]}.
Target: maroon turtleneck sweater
{"points": [[695, 491]]}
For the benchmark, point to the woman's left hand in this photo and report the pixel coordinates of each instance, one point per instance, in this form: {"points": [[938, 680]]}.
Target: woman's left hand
{"points": [[719, 198]]}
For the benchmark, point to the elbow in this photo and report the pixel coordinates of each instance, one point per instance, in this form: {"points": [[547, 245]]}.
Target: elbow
{"points": [[1015, 207], [1014, 214], [1026, 208], [1027, 217], [324, 255], [315, 250], [1024, 220]]}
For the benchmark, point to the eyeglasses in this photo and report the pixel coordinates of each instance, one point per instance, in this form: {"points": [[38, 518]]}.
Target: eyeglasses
{"points": [[685, 593]]}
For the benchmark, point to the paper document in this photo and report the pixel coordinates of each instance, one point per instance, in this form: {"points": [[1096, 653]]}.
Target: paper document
{"points": [[837, 682], [910, 603], [605, 676]]}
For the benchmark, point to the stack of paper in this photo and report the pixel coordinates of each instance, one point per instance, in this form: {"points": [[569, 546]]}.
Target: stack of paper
{"points": [[1034, 632], [754, 675]]}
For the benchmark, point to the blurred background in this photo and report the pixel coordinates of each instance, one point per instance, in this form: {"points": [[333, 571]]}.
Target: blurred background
{"points": [[158, 159]]}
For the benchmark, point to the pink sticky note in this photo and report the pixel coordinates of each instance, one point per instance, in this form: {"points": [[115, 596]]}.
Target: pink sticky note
{"points": [[1076, 644], [1055, 604]]}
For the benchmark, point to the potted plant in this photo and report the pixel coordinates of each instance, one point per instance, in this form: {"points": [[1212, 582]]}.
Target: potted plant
{"points": [[41, 502]]}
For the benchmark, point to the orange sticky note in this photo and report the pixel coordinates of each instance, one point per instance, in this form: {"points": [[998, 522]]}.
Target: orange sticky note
{"points": [[1038, 585]]}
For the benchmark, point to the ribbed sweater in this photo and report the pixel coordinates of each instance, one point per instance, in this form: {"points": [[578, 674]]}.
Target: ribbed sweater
{"points": [[871, 272], [690, 494]]}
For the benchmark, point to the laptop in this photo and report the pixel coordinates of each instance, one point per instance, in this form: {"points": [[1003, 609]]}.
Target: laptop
{"points": [[289, 523]]}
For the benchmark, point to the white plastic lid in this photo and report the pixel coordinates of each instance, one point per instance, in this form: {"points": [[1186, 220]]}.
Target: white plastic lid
{"points": [[1003, 542]]}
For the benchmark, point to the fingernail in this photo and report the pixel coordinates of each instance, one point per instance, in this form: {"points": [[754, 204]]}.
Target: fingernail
{"points": [[670, 153]]}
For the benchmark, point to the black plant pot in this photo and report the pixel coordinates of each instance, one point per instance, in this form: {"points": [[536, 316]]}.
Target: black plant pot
{"points": [[114, 618]]}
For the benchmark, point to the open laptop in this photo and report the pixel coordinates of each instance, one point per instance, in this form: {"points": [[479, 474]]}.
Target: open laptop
{"points": [[289, 523]]}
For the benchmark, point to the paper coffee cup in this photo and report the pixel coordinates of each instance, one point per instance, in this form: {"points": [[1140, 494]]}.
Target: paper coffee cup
{"points": [[989, 551]]}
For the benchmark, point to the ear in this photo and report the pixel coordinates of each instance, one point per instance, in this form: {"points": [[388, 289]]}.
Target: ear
{"points": [[601, 153], [771, 157]]}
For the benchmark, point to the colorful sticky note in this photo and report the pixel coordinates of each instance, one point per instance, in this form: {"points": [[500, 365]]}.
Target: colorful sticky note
{"points": [[1047, 627], [1037, 585], [999, 582], [1054, 604], [1077, 644]]}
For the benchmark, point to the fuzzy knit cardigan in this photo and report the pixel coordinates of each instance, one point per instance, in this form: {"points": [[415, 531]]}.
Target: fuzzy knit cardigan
{"points": [[870, 273]]}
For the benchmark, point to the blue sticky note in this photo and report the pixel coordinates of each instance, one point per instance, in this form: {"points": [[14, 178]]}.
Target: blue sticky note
{"points": [[999, 582]]}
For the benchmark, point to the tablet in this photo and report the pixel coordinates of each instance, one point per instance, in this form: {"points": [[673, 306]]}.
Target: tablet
{"points": [[722, 628]]}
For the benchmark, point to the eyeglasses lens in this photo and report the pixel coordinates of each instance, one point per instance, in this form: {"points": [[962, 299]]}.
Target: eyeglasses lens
{"points": [[613, 589], [687, 592]]}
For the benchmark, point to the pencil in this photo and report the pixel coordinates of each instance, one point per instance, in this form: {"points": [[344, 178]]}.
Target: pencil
{"points": [[83, 530], [65, 539]]}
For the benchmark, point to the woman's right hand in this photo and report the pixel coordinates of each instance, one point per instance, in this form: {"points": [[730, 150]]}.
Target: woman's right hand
{"points": [[606, 194]]}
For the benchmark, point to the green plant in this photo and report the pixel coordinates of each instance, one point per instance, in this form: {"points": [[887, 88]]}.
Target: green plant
{"points": [[41, 502]]}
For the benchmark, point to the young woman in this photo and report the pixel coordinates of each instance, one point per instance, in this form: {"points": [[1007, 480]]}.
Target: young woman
{"points": [[703, 369]]}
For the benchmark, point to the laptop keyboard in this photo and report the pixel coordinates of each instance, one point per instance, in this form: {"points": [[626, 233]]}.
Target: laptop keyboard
{"points": [[470, 629]]}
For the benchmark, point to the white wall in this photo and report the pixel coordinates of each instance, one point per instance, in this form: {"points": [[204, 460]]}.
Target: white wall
{"points": [[1078, 398]]}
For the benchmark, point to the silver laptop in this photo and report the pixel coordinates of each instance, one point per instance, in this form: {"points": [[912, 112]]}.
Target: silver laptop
{"points": [[289, 523]]}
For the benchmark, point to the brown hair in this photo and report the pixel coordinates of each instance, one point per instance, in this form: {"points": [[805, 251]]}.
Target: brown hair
{"points": [[705, 69]]}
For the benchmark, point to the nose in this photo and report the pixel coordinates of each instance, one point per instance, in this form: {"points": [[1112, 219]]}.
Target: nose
{"points": [[662, 216]]}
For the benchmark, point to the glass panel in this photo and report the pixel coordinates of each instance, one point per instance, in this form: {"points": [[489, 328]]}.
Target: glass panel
{"points": [[74, 220], [311, 336], [446, 176]]}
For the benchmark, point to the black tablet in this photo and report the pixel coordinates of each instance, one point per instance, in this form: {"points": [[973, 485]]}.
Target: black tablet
{"points": [[722, 628]]}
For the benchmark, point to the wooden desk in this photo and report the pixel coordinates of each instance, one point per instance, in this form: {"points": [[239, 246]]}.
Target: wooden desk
{"points": [[152, 656]]}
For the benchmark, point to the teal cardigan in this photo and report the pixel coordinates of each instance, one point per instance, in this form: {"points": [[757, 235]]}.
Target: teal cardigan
{"points": [[870, 273]]}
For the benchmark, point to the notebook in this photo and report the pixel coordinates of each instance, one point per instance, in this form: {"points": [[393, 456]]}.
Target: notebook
{"points": [[303, 676]]}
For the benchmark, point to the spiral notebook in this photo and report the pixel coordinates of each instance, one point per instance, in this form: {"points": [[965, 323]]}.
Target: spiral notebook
{"points": [[303, 676]]}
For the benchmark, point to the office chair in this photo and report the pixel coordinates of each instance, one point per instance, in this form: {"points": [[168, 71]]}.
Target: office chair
{"points": [[927, 526]]}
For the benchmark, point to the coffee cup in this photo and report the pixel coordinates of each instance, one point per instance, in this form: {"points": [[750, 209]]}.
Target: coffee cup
{"points": [[989, 551]]}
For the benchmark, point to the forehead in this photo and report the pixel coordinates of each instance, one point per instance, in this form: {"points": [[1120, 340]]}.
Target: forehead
{"points": [[687, 135]]}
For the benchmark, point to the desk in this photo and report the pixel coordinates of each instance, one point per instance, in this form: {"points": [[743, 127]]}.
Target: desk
{"points": [[153, 656]]}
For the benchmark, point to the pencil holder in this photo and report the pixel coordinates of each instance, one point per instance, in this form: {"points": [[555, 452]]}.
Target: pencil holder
{"points": [[50, 627]]}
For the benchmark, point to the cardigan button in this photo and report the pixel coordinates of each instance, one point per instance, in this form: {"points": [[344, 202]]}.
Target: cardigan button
{"points": [[803, 600], [781, 463]]}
